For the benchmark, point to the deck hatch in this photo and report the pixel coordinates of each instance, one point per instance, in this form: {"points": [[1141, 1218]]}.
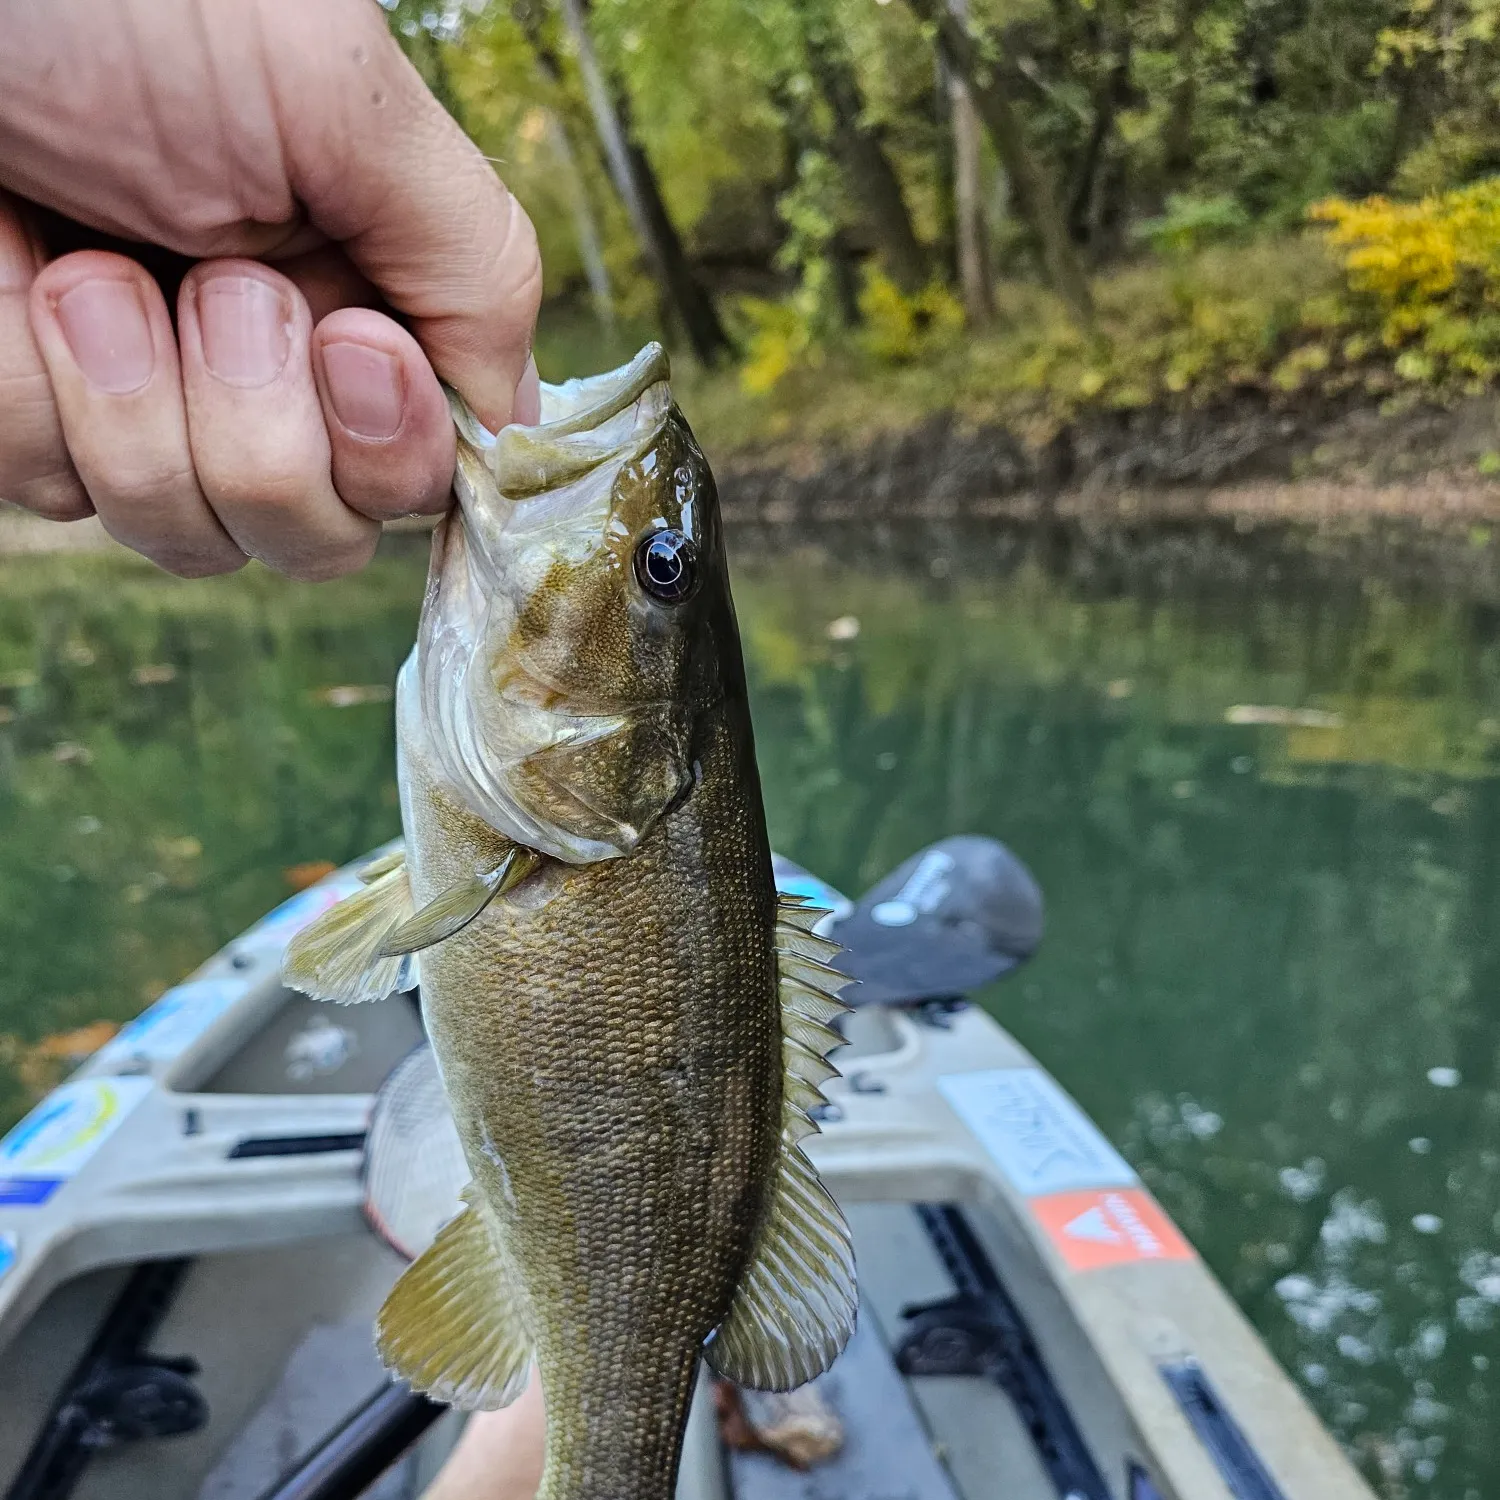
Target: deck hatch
{"points": [[980, 1331]]}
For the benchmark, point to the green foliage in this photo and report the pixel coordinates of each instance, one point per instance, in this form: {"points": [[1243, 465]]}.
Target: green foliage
{"points": [[898, 328], [1189, 223], [1179, 333], [1186, 140]]}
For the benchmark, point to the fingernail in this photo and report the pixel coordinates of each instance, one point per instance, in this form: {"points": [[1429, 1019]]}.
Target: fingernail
{"points": [[527, 407], [243, 325], [365, 389], [104, 323]]}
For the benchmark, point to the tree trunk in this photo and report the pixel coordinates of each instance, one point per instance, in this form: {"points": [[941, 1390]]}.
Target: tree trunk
{"points": [[970, 240], [1177, 145], [636, 183], [585, 226], [861, 150], [1030, 186], [1088, 207], [527, 16]]}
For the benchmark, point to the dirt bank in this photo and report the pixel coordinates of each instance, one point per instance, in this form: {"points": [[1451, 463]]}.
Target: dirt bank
{"points": [[1246, 459], [1246, 456]]}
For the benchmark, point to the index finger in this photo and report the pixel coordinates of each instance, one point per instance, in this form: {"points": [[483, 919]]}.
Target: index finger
{"points": [[35, 469], [381, 167]]}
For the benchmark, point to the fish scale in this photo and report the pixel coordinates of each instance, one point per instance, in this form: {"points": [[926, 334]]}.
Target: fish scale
{"points": [[630, 1026]]}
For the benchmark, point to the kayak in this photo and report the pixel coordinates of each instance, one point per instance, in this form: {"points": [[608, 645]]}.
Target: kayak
{"points": [[197, 1228]]}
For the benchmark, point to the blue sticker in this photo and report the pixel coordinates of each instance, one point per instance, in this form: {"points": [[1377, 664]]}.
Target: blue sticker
{"points": [[167, 1028], [27, 1192], [10, 1250]]}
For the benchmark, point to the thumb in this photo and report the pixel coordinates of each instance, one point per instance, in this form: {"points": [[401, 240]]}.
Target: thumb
{"points": [[380, 166]]}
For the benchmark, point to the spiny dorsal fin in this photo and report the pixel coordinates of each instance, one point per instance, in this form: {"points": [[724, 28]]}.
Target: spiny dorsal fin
{"points": [[338, 956], [448, 914], [796, 1305], [450, 1327]]}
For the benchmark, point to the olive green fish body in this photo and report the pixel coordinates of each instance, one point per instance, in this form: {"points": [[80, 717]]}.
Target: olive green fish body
{"points": [[631, 1026], [612, 1056]]}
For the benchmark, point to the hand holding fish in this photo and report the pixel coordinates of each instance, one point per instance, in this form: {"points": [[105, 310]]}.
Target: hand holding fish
{"points": [[314, 186]]}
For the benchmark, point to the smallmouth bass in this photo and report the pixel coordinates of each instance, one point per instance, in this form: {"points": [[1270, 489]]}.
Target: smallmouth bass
{"points": [[630, 1026]]}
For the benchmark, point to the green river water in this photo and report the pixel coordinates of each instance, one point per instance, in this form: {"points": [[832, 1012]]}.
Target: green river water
{"points": [[1259, 784]]}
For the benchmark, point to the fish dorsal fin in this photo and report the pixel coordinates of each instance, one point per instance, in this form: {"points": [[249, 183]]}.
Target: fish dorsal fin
{"points": [[448, 914], [450, 1327], [796, 1304], [338, 956]]}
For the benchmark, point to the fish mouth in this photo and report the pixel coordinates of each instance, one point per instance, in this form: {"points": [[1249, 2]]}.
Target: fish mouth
{"points": [[585, 423]]}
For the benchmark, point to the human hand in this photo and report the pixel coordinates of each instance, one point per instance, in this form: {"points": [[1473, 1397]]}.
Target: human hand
{"points": [[294, 156], [500, 1453]]}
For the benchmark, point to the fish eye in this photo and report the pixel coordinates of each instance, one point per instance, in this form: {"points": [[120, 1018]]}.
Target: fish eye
{"points": [[666, 565]]}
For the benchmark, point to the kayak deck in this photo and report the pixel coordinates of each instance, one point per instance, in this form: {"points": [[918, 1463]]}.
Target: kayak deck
{"points": [[1101, 1358]]}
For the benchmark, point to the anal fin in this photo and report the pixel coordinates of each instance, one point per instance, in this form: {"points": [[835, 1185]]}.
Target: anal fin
{"points": [[796, 1304], [450, 1327], [338, 955]]}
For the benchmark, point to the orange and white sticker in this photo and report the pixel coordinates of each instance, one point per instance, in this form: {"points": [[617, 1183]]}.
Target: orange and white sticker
{"points": [[1109, 1227]]}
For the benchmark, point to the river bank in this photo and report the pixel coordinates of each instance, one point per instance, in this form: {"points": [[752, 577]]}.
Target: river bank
{"points": [[1245, 459]]}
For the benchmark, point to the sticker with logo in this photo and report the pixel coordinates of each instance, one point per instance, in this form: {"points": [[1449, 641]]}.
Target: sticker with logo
{"points": [[1109, 1227], [169, 1027], [1039, 1138], [62, 1133]]}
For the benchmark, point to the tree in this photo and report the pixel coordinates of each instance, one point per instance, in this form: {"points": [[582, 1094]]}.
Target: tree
{"points": [[1031, 185], [590, 240], [861, 151], [636, 183], [970, 241]]}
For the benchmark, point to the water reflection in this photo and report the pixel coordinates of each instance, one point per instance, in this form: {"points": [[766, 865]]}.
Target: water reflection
{"points": [[1257, 784]]}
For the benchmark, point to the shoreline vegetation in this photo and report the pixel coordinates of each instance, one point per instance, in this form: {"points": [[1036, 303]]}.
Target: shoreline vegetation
{"points": [[926, 254], [985, 256]]}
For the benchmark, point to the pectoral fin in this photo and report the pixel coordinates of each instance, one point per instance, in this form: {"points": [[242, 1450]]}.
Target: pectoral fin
{"points": [[338, 956], [451, 912], [450, 1326], [797, 1301]]}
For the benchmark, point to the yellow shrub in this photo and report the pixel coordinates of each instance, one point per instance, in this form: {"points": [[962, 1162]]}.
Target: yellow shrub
{"points": [[1430, 274], [898, 328], [780, 338]]}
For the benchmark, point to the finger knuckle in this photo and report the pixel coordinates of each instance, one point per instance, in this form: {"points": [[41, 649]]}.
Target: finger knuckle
{"points": [[521, 256], [152, 481], [329, 559], [406, 484], [208, 563], [272, 495], [203, 555], [56, 496]]}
